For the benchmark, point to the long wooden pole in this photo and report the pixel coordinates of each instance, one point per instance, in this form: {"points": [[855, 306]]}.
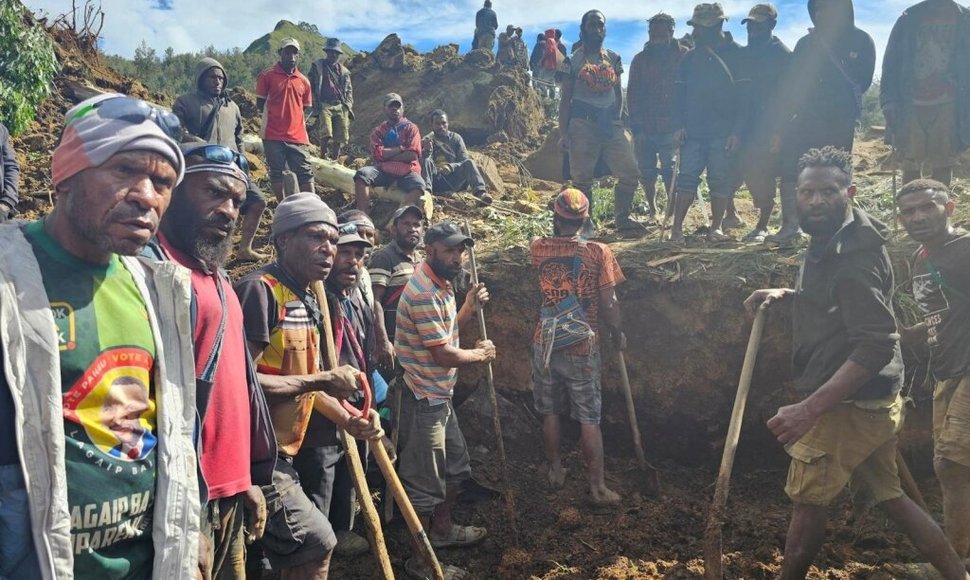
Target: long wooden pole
{"points": [[631, 411], [493, 399], [353, 456], [715, 517]]}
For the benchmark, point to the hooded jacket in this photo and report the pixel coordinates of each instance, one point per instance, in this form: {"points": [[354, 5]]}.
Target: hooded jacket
{"points": [[830, 71], [767, 64], [899, 64], [194, 108], [322, 95], [843, 310]]}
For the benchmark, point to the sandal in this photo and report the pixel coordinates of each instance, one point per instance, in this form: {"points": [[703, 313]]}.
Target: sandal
{"points": [[460, 537], [449, 572]]}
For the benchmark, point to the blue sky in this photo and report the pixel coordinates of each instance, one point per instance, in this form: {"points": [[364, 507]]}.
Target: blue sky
{"points": [[190, 25]]}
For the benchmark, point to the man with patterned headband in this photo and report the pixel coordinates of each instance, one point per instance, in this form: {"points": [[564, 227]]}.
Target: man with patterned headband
{"points": [[591, 120], [577, 280], [197, 233], [97, 397]]}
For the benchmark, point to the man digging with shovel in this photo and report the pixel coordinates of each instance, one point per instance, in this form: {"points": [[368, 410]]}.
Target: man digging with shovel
{"points": [[848, 367]]}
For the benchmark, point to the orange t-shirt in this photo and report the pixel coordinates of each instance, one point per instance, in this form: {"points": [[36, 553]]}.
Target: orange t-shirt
{"points": [[286, 96], [554, 259]]}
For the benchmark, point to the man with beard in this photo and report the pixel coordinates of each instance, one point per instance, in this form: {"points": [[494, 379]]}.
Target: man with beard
{"points": [[78, 309], [709, 115], [197, 233], [282, 320], [847, 364], [821, 97], [650, 94], [395, 148], [284, 96], [208, 114], [590, 120], [578, 281], [767, 60], [925, 88], [333, 99], [434, 457], [941, 286], [324, 473]]}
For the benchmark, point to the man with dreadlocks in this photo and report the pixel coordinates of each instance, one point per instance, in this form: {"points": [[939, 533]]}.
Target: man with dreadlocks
{"points": [[590, 119], [848, 367]]}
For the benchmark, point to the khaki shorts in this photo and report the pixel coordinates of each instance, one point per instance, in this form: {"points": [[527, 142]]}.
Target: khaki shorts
{"points": [[849, 443], [334, 122], [931, 137], [951, 420]]}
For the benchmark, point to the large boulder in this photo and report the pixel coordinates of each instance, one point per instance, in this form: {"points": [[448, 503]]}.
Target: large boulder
{"points": [[479, 99]]}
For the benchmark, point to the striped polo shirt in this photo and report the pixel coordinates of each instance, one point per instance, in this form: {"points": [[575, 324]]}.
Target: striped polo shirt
{"points": [[426, 317]]}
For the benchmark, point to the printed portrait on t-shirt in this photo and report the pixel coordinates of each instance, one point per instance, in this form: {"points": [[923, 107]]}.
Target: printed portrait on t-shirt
{"points": [[112, 402]]}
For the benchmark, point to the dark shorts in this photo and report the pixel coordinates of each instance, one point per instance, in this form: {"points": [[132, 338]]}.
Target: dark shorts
{"points": [[296, 531], [281, 155], [325, 478], [801, 137], [571, 383], [253, 197], [374, 177], [18, 558], [760, 171], [723, 169]]}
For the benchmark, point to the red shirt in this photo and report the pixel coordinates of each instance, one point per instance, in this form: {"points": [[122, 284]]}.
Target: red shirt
{"points": [[286, 95], [226, 426], [410, 139]]}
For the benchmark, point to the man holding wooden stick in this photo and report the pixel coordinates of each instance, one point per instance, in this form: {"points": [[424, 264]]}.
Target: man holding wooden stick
{"points": [[847, 367], [434, 459], [578, 281]]}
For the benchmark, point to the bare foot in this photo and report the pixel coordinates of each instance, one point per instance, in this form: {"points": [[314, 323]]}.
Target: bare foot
{"points": [[248, 255], [556, 476], [603, 496]]}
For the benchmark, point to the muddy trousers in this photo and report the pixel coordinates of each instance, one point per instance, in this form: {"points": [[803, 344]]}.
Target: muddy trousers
{"points": [[463, 175], [586, 144]]}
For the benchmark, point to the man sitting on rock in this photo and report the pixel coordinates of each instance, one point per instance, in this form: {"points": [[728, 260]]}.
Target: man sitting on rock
{"points": [[396, 150], [447, 167]]}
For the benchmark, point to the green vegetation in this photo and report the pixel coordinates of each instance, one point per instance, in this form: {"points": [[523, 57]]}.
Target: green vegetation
{"points": [[29, 66], [174, 74]]}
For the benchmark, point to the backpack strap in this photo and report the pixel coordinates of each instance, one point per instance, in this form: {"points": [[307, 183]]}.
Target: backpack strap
{"points": [[931, 268]]}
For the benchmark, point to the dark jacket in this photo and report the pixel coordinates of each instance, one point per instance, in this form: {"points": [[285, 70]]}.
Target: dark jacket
{"points": [[342, 91], [9, 172], [899, 62], [767, 64], [830, 72], [843, 310], [195, 108], [650, 90], [486, 20], [708, 100]]}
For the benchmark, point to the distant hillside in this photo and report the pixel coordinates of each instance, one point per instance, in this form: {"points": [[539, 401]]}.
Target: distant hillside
{"points": [[311, 41]]}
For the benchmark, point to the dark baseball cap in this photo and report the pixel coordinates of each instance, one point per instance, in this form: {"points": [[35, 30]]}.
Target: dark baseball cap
{"points": [[399, 213], [349, 234], [447, 233]]}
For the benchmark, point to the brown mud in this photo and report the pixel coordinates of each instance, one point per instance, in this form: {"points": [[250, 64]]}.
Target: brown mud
{"points": [[686, 332]]}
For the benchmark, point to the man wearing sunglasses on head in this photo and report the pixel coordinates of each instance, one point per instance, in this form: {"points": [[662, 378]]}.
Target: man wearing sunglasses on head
{"points": [[210, 115], [80, 316], [197, 233]]}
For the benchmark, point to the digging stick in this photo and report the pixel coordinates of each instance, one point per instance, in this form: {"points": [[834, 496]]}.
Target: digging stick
{"points": [[672, 194], [493, 399], [715, 517], [634, 425], [350, 447], [908, 483]]}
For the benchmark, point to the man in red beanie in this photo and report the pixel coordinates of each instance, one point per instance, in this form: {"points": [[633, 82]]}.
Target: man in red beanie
{"points": [[577, 279]]}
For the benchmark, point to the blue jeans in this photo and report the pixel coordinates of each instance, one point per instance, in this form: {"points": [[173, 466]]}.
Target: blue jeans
{"points": [[18, 558], [722, 167], [651, 148]]}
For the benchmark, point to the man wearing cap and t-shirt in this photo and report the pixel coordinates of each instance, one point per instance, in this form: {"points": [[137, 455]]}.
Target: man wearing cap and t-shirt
{"points": [[392, 266], [577, 280], [395, 147], [434, 458], [282, 320], [284, 96], [766, 59], [97, 394], [333, 99]]}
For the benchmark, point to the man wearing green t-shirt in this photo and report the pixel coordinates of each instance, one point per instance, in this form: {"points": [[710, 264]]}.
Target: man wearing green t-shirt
{"points": [[97, 396]]}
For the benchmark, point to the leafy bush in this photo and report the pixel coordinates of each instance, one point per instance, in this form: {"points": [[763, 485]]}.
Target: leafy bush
{"points": [[29, 66]]}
